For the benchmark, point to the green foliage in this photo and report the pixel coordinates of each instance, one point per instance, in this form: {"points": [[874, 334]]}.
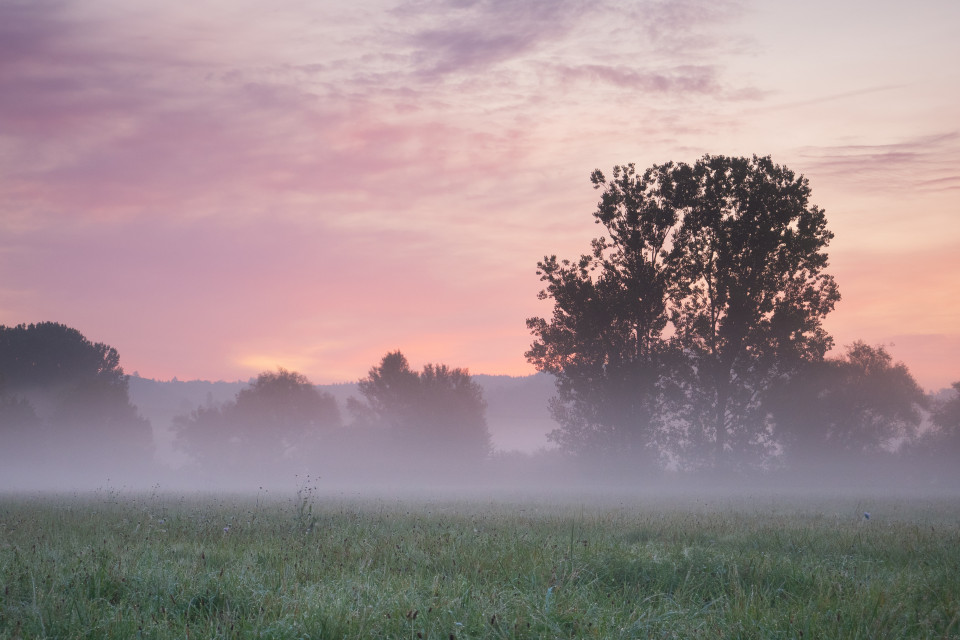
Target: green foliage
{"points": [[157, 567]]}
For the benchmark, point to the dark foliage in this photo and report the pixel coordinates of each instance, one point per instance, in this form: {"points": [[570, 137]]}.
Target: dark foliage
{"points": [[279, 419], [939, 447], [435, 417], [707, 289], [840, 409], [64, 401]]}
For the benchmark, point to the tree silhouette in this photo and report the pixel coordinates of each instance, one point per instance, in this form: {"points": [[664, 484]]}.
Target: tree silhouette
{"points": [[946, 437], [278, 419], [74, 387], [50, 355], [844, 408], [64, 402], [752, 294], [605, 343], [435, 416], [708, 288]]}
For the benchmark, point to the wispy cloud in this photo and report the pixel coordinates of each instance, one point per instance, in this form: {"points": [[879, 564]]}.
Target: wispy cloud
{"points": [[472, 35], [928, 162], [677, 81], [689, 26]]}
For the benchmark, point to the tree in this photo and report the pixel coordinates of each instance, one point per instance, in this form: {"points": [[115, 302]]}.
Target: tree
{"points": [[752, 293], [947, 414], [276, 419], [19, 428], [709, 288], [391, 391], [72, 396], [841, 409], [49, 355], [945, 439], [606, 343], [435, 416]]}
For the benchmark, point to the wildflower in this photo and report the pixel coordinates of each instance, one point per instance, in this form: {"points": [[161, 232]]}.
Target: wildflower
{"points": [[226, 529], [866, 515]]}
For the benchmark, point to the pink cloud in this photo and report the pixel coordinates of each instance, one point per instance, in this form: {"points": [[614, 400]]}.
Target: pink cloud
{"points": [[678, 80], [927, 162], [207, 187]]}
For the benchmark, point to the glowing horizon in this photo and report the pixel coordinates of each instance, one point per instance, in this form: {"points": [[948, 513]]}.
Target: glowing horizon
{"points": [[230, 187]]}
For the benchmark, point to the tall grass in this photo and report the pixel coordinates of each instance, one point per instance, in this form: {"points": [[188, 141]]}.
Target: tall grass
{"points": [[110, 566]]}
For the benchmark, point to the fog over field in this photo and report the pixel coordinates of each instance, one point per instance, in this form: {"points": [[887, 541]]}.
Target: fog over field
{"points": [[517, 414], [360, 460]]}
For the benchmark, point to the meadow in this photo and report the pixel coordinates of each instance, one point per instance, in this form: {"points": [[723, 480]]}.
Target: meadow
{"points": [[109, 565]]}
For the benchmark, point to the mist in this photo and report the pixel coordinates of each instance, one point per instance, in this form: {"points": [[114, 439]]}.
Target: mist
{"points": [[351, 459], [72, 421]]}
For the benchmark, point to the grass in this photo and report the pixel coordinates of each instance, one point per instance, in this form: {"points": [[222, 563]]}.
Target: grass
{"points": [[111, 566]]}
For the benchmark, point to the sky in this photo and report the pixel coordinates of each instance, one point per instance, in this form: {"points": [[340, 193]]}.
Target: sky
{"points": [[220, 187]]}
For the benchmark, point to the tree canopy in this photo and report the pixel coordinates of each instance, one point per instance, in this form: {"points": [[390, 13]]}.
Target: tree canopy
{"points": [[436, 415], [65, 400], [49, 355], [708, 286], [837, 409], [280, 417], [946, 419]]}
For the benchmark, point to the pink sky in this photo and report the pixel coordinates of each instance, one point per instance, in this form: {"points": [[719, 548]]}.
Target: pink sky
{"points": [[222, 187]]}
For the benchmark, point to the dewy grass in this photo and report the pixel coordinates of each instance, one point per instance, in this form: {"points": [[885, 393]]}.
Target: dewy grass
{"points": [[160, 567]]}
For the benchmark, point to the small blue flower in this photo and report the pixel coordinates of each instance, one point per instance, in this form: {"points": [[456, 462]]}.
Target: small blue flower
{"points": [[866, 515]]}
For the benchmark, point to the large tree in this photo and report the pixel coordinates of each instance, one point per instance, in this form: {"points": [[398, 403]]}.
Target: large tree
{"points": [[708, 287], [752, 294], [606, 342]]}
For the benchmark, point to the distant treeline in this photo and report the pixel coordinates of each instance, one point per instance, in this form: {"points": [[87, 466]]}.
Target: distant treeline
{"points": [[65, 410], [65, 414]]}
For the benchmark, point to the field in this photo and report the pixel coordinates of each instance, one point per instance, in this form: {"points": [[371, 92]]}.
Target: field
{"points": [[108, 565]]}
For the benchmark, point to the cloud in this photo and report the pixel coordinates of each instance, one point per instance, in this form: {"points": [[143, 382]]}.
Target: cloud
{"points": [[679, 80], [25, 27], [928, 163], [108, 123], [473, 35], [685, 26], [343, 179], [116, 139]]}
